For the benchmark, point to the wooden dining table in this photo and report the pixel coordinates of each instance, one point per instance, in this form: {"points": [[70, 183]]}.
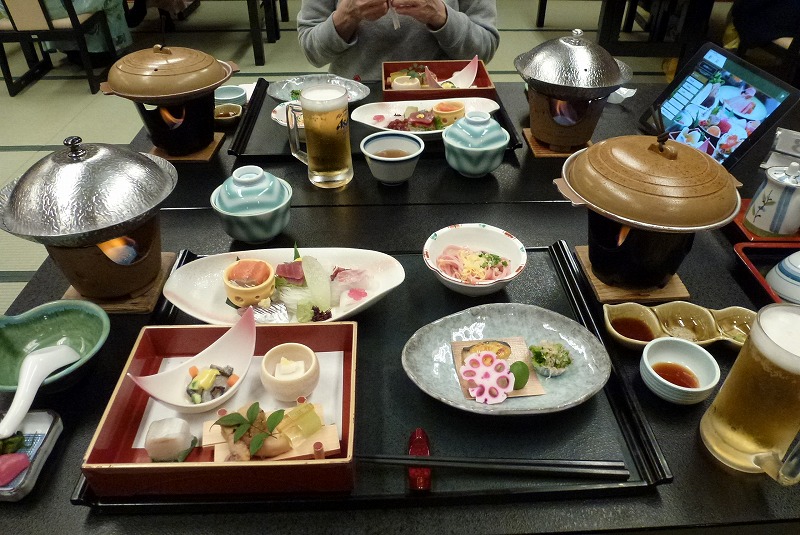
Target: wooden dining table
{"points": [[673, 483]]}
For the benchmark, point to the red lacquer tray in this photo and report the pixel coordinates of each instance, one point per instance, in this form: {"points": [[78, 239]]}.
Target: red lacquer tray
{"points": [[113, 467], [758, 259]]}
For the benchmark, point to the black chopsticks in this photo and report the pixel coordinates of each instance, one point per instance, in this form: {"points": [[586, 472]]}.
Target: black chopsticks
{"points": [[544, 467]]}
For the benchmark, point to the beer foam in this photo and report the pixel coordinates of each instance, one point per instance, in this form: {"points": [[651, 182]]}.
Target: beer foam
{"points": [[322, 98], [781, 324]]}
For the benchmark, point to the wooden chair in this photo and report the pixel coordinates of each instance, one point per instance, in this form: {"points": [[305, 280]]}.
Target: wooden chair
{"points": [[30, 22]]}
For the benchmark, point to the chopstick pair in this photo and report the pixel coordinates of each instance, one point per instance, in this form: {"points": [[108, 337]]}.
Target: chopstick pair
{"points": [[545, 467]]}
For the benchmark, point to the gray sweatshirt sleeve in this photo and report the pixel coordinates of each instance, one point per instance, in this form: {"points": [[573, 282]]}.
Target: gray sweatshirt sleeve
{"points": [[469, 30]]}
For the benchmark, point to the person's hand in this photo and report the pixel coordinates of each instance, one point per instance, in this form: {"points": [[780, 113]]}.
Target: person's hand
{"points": [[358, 10], [349, 13], [430, 12]]}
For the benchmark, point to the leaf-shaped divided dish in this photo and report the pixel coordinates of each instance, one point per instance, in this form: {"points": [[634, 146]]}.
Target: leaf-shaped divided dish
{"points": [[81, 325], [234, 348], [681, 319], [428, 359], [197, 287], [380, 114]]}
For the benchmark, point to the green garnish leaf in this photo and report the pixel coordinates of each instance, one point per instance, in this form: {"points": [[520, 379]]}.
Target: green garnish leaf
{"points": [[257, 442], [296, 252], [274, 419], [232, 419], [252, 412], [241, 431], [185, 453]]}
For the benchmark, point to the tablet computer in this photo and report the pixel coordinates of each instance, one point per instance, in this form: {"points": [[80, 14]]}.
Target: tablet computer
{"points": [[721, 105]]}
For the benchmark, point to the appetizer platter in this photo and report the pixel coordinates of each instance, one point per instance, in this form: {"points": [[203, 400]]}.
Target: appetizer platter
{"points": [[197, 288], [290, 88], [428, 361], [386, 115], [119, 459]]}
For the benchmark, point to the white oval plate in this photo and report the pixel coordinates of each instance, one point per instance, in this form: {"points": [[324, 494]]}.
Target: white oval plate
{"points": [[428, 358], [380, 114], [283, 90], [197, 288]]}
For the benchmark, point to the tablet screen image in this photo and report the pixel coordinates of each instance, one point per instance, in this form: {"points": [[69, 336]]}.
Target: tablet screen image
{"points": [[720, 104]]}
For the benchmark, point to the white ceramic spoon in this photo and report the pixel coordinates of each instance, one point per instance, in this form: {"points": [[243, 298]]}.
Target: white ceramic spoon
{"points": [[35, 368], [234, 348], [462, 79]]}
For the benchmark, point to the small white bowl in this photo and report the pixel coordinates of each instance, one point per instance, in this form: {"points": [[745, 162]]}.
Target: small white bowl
{"points": [[478, 237], [784, 278], [392, 170], [288, 390], [230, 94], [687, 354]]}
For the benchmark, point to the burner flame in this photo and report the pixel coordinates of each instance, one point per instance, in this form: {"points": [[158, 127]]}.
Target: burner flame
{"points": [[122, 250], [563, 112], [623, 233], [171, 121]]}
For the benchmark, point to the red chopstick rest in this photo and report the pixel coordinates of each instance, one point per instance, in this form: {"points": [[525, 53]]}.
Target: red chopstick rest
{"points": [[419, 478]]}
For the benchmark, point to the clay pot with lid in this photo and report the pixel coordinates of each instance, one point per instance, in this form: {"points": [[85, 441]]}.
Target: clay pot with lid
{"points": [[173, 89], [87, 194], [646, 202], [569, 80]]}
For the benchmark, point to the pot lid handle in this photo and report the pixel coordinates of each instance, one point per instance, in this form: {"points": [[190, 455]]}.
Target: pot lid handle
{"points": [[161, 49], [667, 152], [76, 151]]}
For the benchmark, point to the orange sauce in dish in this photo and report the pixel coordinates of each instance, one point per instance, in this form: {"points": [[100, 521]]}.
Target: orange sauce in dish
{"points": [[632, 328], [676, 374]]}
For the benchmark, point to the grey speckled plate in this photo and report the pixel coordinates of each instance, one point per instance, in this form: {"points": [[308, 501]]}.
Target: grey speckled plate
{"points": [[283, 90], [428, 359]]}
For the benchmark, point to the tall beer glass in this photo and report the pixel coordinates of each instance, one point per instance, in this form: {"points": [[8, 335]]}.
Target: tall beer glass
{"points": [[327, 129], [756, 414]]}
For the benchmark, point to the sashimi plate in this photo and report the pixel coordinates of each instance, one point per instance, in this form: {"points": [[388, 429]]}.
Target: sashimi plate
{"points": [[380, 114], [428, 359], [197, 289]]}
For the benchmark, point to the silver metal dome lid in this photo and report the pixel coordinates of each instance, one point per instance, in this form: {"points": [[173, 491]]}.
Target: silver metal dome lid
{"points": [[572, 68], [85, 194]]}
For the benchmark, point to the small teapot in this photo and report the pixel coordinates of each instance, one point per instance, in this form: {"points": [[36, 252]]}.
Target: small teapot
{"points": [[775, 208]]}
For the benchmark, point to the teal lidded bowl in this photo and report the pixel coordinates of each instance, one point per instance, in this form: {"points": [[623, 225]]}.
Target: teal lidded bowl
{"points": [[253, 205], [475, 144], [81, 325]]}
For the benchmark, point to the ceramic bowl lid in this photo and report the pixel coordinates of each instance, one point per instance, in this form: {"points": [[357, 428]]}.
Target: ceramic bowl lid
{"points": [[166, 74], [85, 194], [631, 180], [572, 68]]}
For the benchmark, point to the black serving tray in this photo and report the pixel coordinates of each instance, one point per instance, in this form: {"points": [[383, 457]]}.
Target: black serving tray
{"points": [[609, 427], [259, 136]]}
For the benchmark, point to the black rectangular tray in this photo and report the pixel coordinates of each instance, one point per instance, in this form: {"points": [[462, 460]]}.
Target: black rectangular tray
{"points": [[258, 135], [609, 426]]}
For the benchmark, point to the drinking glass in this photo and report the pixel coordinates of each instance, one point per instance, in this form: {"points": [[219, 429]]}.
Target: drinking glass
{"points": [[756, 414], [327, 132]]}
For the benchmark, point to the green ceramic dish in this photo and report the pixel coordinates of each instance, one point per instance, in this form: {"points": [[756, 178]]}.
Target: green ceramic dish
{"points": [[81, 325]]}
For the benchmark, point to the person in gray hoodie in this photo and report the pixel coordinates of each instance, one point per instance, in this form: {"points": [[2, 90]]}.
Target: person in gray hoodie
{"points": [[356, 36]]}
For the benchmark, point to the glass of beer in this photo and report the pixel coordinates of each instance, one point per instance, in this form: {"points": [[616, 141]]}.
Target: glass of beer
{"points": [[327, 132], [756, 414]]}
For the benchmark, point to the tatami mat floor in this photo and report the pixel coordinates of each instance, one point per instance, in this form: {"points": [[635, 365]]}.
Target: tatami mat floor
{"points": [[35, 122]]}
